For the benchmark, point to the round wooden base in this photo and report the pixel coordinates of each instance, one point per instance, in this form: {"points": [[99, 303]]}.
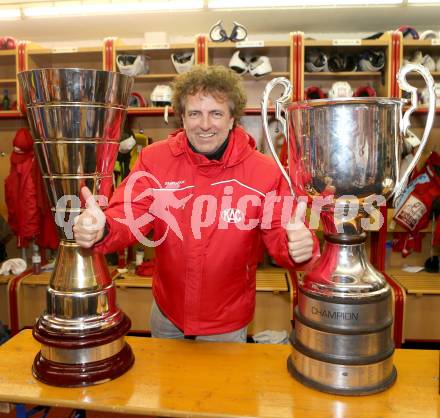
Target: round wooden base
{"points": [[86, 374], [81, 373]]}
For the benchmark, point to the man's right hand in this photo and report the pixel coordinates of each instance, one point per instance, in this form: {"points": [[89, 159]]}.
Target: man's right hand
{"points": [[89, 226]]}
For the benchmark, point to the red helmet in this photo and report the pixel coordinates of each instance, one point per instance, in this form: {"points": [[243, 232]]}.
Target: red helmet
{"points": [[6, 42], [314, 93], [408, 31], [136, 100], [365, 91]]}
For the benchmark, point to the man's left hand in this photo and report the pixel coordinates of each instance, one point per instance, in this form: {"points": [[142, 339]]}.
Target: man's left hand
{"points": [[300, 240]]}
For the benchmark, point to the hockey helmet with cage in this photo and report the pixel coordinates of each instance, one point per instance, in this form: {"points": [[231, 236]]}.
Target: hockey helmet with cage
{"points": [[418, 58], [337, 63], [425, 95], [428, 62], [316, 61], [372, 61], [161, 95], [340, 89], [260, 66], [132, 65], [183, 61]]}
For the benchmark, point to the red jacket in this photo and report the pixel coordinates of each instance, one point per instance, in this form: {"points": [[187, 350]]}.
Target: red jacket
{"points": [[20, 190], [204, 276], [29, 213]]}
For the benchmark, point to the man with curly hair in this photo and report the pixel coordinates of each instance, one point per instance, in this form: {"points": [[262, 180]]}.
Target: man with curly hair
{"points": [[210, 197]]}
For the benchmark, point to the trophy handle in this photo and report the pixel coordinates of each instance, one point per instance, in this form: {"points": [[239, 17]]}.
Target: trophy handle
{"points": [[285, 98], [405, 122]]}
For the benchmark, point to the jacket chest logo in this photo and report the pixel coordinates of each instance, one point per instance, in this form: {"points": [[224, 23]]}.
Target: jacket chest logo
{"points": [[232, 216], [174, 184]]}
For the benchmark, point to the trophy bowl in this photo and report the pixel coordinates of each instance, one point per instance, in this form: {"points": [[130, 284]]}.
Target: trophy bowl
{"points": [[76, 117], [344, 155]]}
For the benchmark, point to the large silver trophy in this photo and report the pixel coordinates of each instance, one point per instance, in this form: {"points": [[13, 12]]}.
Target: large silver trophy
{"points": [[76, 117], [344, 154]]}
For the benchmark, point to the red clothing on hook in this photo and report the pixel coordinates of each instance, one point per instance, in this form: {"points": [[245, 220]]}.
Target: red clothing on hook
{"points": [[29, 213], [20, 190]]}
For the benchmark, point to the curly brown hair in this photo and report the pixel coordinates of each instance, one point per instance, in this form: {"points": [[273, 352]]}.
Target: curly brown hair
{"points": [[220, 82]]}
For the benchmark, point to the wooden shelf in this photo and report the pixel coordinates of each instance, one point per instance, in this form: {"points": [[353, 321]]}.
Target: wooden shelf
{"points": [[146, 47], [343, 74], [273, 74], [423, 110], [156, 76], [63, 50], [11, 114], [257, 111], [7, 52], [421, 42], [238, 45], [152, 111], [346, 43], [8, 80]]}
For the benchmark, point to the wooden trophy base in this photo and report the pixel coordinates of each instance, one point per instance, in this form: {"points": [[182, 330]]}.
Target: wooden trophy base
{"points": [[56, 368]]}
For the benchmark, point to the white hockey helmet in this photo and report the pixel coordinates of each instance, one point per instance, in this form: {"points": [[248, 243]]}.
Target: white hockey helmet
{"points": [[127, 144], [428, 62], [132, 65], [238, 63], [416, 57], [429, 34], [425, 95], [340, 89], [260, 66], [161, 95], [183, 61]]}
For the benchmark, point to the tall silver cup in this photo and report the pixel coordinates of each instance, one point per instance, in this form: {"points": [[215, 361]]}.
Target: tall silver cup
{"points": [[76, 117], [344, 154]]}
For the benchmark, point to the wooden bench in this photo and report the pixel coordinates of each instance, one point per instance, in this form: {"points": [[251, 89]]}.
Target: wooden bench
{"points": [[4, 299], [273, 301], [273, 311], [420, 294]]}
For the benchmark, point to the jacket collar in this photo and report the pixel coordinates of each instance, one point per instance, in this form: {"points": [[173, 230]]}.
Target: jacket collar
{"points": [[240, 146]]}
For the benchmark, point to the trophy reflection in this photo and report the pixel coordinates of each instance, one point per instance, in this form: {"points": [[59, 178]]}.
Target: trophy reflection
{"points": [[344, 154], [76, 117]]}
